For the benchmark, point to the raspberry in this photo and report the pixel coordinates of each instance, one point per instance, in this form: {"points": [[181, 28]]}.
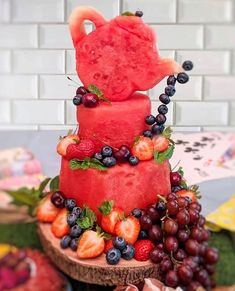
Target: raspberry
{"points": [[82, 150]]}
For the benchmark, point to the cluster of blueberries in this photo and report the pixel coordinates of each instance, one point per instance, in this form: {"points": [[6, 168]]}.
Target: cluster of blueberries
{"points": [[157, 123]]}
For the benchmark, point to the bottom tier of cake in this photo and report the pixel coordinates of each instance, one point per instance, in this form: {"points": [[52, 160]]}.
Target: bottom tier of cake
{"points": [[129, 187]]}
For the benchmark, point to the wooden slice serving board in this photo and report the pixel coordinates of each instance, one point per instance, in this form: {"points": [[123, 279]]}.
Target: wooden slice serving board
{"points": [[94, 271]]}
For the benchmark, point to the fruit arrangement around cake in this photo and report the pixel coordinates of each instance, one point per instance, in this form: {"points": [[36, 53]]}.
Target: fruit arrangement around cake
{"points": [[119, 200]]}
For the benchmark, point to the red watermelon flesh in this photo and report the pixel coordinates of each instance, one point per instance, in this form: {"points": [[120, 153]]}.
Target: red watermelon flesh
{"points": [[127, 186], [120, 56], [117, 124]]}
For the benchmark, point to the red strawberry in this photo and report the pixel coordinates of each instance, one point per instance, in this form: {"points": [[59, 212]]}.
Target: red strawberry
{"points": [[128, 228], [110, 216], [46, 211], [91, 244], [64, 142], [160, 143], [191, 193], [84, 149], [143, 148], [108, 245], [143, 249], [60, 226]]}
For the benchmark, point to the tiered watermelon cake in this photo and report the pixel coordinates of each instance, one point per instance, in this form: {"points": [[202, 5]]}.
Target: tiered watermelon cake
{"points": [[118, 195]]}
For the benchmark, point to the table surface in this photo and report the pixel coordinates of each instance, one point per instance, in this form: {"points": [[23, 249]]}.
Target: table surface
{"points": [[43, 145]]}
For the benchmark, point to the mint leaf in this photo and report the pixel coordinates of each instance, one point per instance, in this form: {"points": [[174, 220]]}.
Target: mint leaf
{"points": [[167, 132], [23, 196], [106, 207], [87, 219], [43, 185], [127, 13], [76, 164], [180, 171], [95, 90], [54, 184], [166, 155], [183, 184]]}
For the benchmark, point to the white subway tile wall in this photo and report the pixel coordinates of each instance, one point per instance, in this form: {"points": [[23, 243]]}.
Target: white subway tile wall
{"points": [[37, 55]]}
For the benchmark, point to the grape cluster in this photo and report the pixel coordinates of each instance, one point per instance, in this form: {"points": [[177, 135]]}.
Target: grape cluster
{"points": [[176, 227], [157, 122]]}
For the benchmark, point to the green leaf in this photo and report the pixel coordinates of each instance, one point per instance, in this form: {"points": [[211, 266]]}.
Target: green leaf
{"points": [[95, 90], [127, 13], [86, 164], [167, 132], [106, 207], [183, 184], [160, 157], [54, 184], [23, 196], [181, 171], [43, 185], [87, 219]]}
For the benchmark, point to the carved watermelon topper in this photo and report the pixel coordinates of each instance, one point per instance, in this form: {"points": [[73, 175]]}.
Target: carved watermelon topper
{"points": [[119, 56]]}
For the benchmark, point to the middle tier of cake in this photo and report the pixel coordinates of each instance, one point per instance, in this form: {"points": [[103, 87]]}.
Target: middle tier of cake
{"points": [[114, 124]]}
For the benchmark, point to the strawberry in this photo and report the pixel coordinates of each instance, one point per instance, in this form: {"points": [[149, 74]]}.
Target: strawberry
{"points": [[60, 226], [143, 249], [64, 142], [84, 149], [108, 245], [143, 148], [160, 143], [90, 245], [128, 228], [46, 211], [110, 216], [192, 193]]}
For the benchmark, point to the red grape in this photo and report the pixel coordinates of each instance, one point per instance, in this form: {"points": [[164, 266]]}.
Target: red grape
{"points": [[194, 215], [170, 226], [171, 244], [197, 234], [172, 279], [171, 196], [201, 221], [183, 217], [212, 256], [203, 278], [193, 286], [183, 235], [191, 262], [153, 214], [195, 206], [157, 256], [145, 222], [185, 274], [183, 203], [202, 249], [155, 233], [205, 235], [210, 269], [180, 255], [175, 178], [192, 247], [172, 207], [160, 246], [166, 265]]}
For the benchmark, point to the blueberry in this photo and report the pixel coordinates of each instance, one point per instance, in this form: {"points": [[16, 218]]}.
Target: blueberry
{"points": [[119, 243], [109, 162], [107, 151], [81, 90], [157, 129], [165, 99], [171, 80], [71, 219], [128, 253], [161, 206], [73, 244], [182, 78], [113, 256], [160, 119], [77, 211], [75, 231], [65, 241], [57, 198], [139, 13], [150, 119], [70, 204], [187, 65], [133, 161], [77, 100], [162, 109], [170, 90], [136, 212], [98, 156], [147, 133], [143, 234]]}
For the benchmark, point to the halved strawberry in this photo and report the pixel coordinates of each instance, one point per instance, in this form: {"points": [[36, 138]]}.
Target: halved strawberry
{"points": [[192, 193], [64, 142], [46, 211], [143, 148], [110, 216], [160, 143], [108, 245], [128, 229], [60, 226], [90, 245], [84, 149]]}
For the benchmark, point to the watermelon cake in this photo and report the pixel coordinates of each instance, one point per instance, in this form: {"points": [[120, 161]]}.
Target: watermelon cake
{"points": [[118, 197]]}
